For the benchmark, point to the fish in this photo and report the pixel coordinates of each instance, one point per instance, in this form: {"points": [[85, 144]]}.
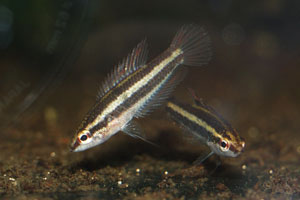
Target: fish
{"points": [[134, 87], [205, 124]]}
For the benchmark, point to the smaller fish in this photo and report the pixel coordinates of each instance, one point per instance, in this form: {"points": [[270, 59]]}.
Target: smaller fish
{"points": [[205, 124]]}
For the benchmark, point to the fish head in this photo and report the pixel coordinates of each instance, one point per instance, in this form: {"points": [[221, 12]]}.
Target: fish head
{"points": [[84, 140], [92, 131], [230, 146]]}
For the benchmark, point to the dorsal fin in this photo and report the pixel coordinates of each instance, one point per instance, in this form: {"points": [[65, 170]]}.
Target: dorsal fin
{"points": [[200, 103], [136, 59]]}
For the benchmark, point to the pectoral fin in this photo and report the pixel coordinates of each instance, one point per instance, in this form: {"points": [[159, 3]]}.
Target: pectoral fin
{"points": [[133, 129]]}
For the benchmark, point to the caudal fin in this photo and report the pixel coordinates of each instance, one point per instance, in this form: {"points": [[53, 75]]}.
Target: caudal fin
{"points": [[195, 44]]}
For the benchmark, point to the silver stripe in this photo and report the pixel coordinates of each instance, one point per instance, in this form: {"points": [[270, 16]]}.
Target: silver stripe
{"points": [[139, 84]]}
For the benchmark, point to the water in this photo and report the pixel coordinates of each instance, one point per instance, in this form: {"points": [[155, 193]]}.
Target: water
{"points": [[252, 81]]}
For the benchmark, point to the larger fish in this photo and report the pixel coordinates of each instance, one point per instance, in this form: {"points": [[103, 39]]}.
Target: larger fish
{"points": [[134, 87]]}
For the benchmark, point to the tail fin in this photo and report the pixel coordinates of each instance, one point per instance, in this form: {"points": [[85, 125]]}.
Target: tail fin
{"points": [[195, 44]]}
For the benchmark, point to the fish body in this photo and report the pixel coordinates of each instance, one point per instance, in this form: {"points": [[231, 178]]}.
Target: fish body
{"points": [[206, 125], [136, 87]]}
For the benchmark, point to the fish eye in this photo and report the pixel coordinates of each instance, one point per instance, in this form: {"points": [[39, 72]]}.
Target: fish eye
{"points": [[83, 138], [224, 145]]}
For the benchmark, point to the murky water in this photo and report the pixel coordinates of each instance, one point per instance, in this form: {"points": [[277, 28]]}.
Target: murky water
{"points": [[252, 81]]}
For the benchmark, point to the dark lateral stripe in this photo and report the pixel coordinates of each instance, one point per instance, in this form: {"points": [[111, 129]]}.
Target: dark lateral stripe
{"points": [[119, 89], [184, 110], [210, 111], [141, 92], [209, 119], [199, 131]]}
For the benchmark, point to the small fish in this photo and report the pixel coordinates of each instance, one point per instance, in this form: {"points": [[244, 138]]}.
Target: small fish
{"points": [[135, 87], [205, 124]]}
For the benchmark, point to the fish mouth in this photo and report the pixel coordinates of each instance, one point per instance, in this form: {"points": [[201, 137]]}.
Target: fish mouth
{"points": [[237, 150], [74, 145], [72, 148]]}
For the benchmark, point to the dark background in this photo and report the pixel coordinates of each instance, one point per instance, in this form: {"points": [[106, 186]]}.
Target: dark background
{"points": [[55, 54]]}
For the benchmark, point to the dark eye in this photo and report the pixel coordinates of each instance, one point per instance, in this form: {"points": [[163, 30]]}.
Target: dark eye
{"points": [[224, 145], [83, 138]]}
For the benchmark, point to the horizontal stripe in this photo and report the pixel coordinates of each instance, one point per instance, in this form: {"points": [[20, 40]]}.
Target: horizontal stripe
{"points": [[130, 111], [194, 119], [127, 93]]}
